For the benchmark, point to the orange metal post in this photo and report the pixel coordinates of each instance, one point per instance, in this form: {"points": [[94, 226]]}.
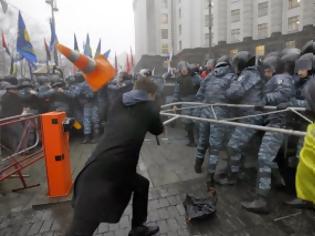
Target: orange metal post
{"points": [[57, 154]]}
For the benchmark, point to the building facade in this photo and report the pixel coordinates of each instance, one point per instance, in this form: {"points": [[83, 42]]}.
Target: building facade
{"points": [[163, 27], [258, 26], [240, 20]]}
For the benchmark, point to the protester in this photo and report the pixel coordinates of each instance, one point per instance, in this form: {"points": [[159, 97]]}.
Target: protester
{"points": [[103, 188]]}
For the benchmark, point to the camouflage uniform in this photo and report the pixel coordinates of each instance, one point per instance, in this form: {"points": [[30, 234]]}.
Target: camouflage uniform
{"points": [[87, 98], [278, 89], [246, 89], [213, 88], [299, 101], [185, 90]]}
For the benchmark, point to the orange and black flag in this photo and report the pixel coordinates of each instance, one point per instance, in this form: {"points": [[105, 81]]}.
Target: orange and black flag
{"points": [[97, 72]]}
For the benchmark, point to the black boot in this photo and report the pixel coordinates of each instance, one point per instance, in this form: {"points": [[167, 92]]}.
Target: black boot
{"points": [[96, 136], [232, 179], [259, 205], [190, 134], [198, 165], [299, 203], [144, 231], [86, 139], [210, 181]]}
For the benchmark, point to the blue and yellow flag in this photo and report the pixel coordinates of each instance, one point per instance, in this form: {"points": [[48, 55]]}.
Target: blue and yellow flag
{"points": [[23, 45], [53, 37], [107, 53]]}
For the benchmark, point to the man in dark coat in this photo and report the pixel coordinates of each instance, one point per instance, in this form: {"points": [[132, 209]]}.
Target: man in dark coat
{"points": [[104, 187]]}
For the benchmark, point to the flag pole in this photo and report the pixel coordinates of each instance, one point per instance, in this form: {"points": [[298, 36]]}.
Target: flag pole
{"points": [[31, 70]]}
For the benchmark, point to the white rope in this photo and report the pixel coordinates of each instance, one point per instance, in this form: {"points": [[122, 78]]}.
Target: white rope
{"points": [[200, 104], [214, 114], [250, 126], [255, 115], [301, 115]]}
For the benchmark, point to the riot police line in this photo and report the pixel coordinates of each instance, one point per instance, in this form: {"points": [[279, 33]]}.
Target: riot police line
{"points": [[280, 80]]}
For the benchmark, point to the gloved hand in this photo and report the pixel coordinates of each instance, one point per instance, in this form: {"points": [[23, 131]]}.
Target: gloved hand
{"points": [[283, 106], [259, 107]]}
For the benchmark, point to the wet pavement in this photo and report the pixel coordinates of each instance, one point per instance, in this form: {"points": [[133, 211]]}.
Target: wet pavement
{"points": [[170, 170]]}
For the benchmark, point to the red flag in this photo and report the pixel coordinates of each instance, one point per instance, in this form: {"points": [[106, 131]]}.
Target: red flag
{"points": [[48, 56], [4, 45], [116, 63], [131, 58], [127, 65]]}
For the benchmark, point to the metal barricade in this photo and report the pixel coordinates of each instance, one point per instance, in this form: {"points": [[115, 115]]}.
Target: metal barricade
{"points": [[20, 145]]}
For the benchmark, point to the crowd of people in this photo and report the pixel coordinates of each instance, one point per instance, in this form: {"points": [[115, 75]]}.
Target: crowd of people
{"points": [[280, 79]]}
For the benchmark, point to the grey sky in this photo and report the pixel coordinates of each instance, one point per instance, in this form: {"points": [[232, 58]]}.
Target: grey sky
{"points": [[110, 20]]}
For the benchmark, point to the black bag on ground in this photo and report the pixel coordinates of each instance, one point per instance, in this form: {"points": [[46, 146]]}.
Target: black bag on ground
{"points": [[199, 208]]}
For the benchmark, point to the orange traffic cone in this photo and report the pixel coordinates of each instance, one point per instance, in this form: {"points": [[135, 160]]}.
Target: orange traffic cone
{"points": [[97, 72]]}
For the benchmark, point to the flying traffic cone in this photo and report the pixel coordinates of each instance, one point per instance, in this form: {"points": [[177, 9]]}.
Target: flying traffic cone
{"points": [[97, 72]]}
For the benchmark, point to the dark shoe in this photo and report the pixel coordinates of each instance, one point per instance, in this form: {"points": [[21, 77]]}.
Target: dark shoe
{"points": [[228, 180], [198, 165], [210, 182], [299, 203], [86, 139], [259, 205], [277, 179], [144, 231], [95, 139], [191, 144]]}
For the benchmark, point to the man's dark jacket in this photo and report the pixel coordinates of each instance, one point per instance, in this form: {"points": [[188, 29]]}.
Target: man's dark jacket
{"points": [[103, 188]]}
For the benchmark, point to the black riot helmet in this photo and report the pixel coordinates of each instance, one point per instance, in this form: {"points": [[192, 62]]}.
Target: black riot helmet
{"points": [[272, 62], [182, 64], [309, 94], [288, 59], [242, 60], [25, 83], [309, 47], [79, 77], [305, 62], [224, 58], [210, 64]]}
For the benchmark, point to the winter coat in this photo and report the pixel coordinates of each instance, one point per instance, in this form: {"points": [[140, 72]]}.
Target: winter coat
{"points": [[103, 188]]}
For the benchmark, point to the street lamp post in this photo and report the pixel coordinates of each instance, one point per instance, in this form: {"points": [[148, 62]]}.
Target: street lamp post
{"points": [[53, 6], [210, 23]]}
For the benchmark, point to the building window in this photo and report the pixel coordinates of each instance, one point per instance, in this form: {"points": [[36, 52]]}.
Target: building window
{"points": [[207, 37], [207, 20], [293, 24], [262, 9], [235, 35], [235, 15], [180, 46], [164, 19], [294, 3], [263, 30], [179, 13], [233, 52], [180, 29], [165, 4], [164, 33], [164, 48], [260, 50], [290, 44]]}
